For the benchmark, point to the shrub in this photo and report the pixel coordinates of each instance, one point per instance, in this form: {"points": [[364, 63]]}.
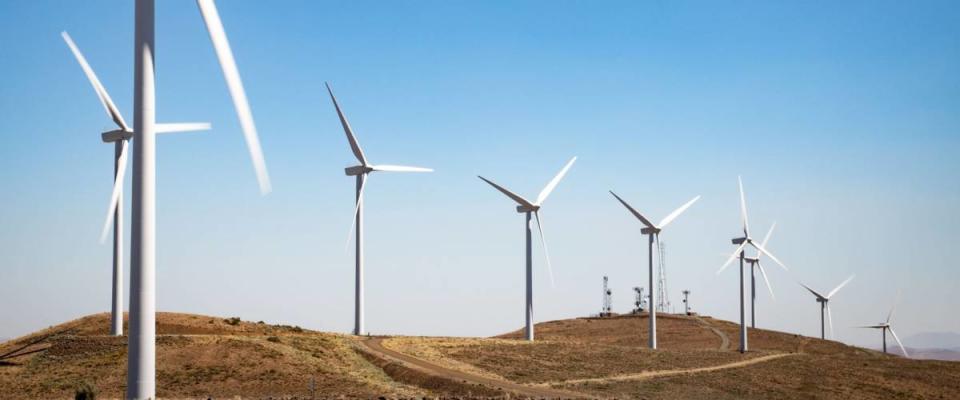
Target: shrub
{"points": [[297, 329], [232, 320], [85, 391], [273, 339]]}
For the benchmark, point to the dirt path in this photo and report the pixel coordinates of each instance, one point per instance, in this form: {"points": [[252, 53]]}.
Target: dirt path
{"points": [[672, 372], [724, 339], [375, 345]]}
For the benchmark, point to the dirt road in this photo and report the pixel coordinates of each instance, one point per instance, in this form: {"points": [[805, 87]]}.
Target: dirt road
{"points": [[658, 374], [375, 345]]}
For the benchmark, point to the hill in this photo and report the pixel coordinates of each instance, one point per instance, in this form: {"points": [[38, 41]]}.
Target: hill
{"points": [[200, 356], [197, 356]]}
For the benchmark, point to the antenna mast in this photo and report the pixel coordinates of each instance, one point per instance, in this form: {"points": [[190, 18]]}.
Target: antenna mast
{"points": [[639, 302], [663, 301], [607, 299], [686, 302]]}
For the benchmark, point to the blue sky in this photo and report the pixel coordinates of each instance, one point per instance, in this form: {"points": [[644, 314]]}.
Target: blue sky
{"points": [[842, 119]]}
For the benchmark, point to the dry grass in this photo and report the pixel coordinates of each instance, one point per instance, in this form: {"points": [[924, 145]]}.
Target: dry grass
{"points": [[197, 356], [673, 332], [803, 376], [200, 356]]}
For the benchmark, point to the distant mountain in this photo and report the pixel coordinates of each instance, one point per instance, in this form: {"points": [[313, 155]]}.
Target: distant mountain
{"points": [[933, 340]]}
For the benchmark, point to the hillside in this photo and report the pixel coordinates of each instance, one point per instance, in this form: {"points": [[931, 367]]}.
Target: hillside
{"points": [[197, 356], [200, 356]]}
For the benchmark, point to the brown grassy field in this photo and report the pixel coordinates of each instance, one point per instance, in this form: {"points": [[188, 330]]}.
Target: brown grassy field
{"points": [[197, 356], [201, 356]]}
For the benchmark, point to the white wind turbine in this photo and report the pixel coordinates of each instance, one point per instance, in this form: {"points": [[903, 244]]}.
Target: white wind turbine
{"points": [[527, 207], [884, 327], [825, 305], [120, 138], [743, 242], [361, 171], [141, 354], [653, 232]]}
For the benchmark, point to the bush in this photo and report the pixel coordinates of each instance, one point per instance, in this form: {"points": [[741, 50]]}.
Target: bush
{"points": [[273, 339], [232, 321], [85, 391], [297, 329]]}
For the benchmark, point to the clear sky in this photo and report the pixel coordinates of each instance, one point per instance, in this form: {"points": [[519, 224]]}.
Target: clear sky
{"points": [[842, 118]]}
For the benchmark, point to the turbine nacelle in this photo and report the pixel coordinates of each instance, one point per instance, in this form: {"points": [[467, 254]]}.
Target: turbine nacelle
{"points": [[740, 240], [357, 170], [116, 135], [650, 230], [525, 209]]}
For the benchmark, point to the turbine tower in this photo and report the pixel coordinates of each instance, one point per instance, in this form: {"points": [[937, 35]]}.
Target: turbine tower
{"points": [[653, 232], [825, 305], [884, 327], [754, 266], [743, 242], [360, 172], [141, 354], [527, 207]]}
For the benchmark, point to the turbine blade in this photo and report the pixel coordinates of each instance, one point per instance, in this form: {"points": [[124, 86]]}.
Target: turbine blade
{"points": [[517, 198], [890, 314], [97, 86], [553, 182], [354, 145], [767, 237], [834, 291], [764, 251], [830, 321], [899, 343], [399, 168], [634, 211], [117, 190], [232, 76], [546, 254], [732, 257], [178, 127], [676, 213], [356, 210], [820, 296], [743, 210], [767, 281]]}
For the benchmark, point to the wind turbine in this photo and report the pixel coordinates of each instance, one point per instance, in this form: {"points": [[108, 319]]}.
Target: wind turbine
{"points": [[141, 355], [120, 138], [361, 171], [884, 327], [527, 207], [743, 242], [756, 265], [653, 232], [825, 305]]}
